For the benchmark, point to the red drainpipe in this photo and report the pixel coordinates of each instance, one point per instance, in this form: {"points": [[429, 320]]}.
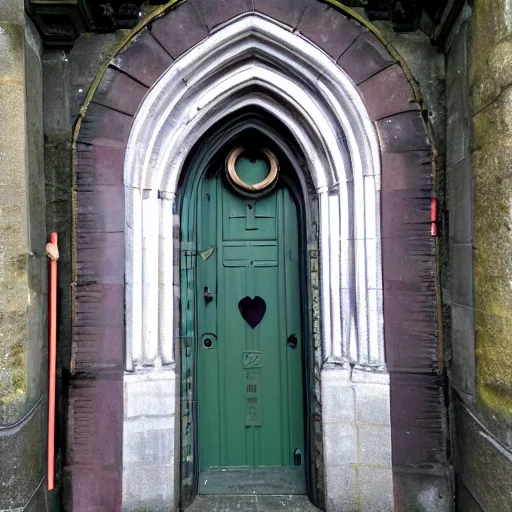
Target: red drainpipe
{"points": [[52, 251]]}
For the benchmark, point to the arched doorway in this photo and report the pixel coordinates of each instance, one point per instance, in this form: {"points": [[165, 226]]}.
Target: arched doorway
{"points": [[347, 110], [244, 256]]}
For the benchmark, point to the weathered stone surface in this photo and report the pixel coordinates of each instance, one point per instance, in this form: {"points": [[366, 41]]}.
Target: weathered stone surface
{"points": [[418, 431], [491, 66], [403, 132], [100, 208], [13, 232], [251, 504], [181, 29], [337, 33], [493, 245], [365, 57], [463, 277], [106, 415], [104, 126], [387, 93], [12, 12], [465, 500], [142, 487], [493, 356], [86, 57], [409, 331], [375, 447], [23, 363], [457, 100], [98, 348], [485, 465], [215, 13], [428, 491], [375, 489], [341, 488], [460, 200], [99, 165], [119, 92], [407, 171], [40, 501], [99, 306], [427, 66], [100, 258], [463, 349], [286, 11], [493, 125], [143, 59], [58, 176], [56, 97], [22, 465], [406, 213], [82, 477]]}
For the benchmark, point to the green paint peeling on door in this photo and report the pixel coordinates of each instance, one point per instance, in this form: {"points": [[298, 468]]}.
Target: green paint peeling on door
{"points": [[249, 378]]}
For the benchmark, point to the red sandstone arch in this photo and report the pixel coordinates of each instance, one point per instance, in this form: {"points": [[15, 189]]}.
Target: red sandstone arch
{"points": [[94, 458]]}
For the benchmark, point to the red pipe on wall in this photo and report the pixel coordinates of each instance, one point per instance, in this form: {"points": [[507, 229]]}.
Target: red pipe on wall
{"points": [[433, 217], [52, 251]]}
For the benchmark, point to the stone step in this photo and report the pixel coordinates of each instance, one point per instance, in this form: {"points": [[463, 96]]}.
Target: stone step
{"points": [[253, 503]]}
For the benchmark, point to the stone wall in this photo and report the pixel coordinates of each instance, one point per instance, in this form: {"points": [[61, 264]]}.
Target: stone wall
{"points": [[480, 143], [23, 266], [428, 485], [67, 77]]}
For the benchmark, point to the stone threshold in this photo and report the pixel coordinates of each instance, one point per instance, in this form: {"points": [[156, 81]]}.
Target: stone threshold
{"points": [[252, 503]]}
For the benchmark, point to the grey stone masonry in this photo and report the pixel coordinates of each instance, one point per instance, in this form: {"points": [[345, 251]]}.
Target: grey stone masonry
{"points": [[357, 441], [460, 208], [23, 263]]}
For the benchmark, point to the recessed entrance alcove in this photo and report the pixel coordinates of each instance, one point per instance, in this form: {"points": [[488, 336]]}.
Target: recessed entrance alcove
{"points": [[327, 138], [254, 320]]}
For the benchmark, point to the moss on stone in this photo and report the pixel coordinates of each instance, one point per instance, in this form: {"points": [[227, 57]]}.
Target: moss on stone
{"points": [[496, 400], [490, 69], [492, 174]]}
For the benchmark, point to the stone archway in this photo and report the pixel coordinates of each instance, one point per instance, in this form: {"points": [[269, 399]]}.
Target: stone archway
{"points": [[178, 76]]}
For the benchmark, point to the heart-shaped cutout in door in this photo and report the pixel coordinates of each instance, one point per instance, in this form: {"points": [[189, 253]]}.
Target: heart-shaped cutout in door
{"points": [[252, 310]]}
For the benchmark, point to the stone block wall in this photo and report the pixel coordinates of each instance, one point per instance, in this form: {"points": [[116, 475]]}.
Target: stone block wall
{"points": [[65, 95], [459, 289], [480, 198], [357, 441], [23, 266], [427, 482], [149, 422]]}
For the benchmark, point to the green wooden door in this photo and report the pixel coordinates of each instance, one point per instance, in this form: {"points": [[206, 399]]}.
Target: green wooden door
{"points": [[250, 382]]}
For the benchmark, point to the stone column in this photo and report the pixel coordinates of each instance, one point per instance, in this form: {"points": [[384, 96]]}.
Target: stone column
{"points": [[485, 429], [491, 96], [23, 331]]}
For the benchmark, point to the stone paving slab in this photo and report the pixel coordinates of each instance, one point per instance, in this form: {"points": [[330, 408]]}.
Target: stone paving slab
{"points": [[227, 503]]}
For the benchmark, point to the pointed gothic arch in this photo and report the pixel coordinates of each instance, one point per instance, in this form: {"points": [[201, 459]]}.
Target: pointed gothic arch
{"points": [[254, 62], [352, 112]]}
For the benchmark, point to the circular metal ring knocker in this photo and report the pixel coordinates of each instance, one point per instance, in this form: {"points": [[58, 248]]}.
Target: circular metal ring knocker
{"points": [[259, 188]]}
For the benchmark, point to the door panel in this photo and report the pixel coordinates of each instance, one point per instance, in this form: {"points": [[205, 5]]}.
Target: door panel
{"points": [[250, 383]]}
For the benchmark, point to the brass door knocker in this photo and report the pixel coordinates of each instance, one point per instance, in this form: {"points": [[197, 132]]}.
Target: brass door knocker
{"points": [[263, 186]]}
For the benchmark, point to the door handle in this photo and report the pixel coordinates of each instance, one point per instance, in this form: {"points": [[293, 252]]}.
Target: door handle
{"points": [[292, 341], [208, 297]]}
